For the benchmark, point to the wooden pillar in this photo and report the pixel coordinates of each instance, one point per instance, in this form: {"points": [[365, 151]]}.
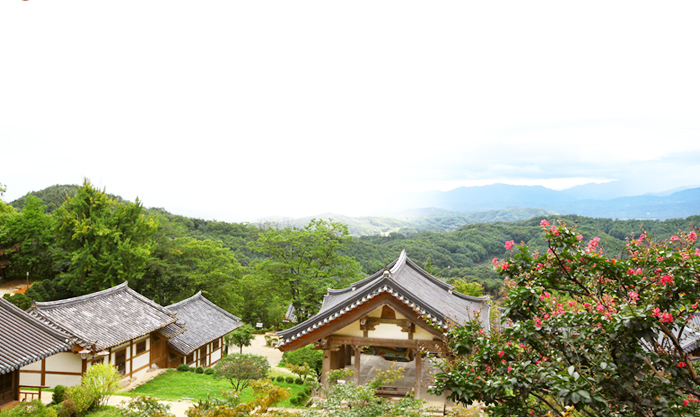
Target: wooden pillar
{"points": [[326, 367], [357, 349], [419, 374]]}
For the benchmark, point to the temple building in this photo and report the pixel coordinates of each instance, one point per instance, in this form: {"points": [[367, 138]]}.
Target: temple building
{"points": [[202, 343], [24, 340], [397, 314], [117, 325]]}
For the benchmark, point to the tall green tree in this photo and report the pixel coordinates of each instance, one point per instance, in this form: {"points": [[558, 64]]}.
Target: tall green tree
{"points": [[27, 241], [102, 242], [182, 266], [303, 262]]}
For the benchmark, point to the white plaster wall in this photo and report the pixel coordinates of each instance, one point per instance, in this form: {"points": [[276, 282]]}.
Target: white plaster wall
{"points": [[68, 380], [148, 347], [120, 346], [64, 362], [422, 334], [387, 331], [216, 355], [141, 360], [29, 379], [351, 330]]}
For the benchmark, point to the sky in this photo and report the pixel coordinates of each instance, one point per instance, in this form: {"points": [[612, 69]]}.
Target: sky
{"points": [[245, 110]]}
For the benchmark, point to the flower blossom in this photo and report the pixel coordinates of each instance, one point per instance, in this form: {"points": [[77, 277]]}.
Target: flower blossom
{"points": [[681, 365], [554, 230], [500, 353], [509, 244], [692, 236], [675, 238], [544, 223], [666, 279], [633, 296]]}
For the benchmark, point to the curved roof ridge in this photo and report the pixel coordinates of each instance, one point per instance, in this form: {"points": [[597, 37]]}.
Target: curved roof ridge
{"points": [[205, 300], [67, 302], [186, 300], [150, 302], [400, 262]]}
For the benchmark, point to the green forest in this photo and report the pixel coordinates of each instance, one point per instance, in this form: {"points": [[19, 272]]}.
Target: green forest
{"points": [[74, 240]]}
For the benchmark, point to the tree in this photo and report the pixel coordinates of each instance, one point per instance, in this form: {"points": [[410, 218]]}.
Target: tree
{"points": [[104, 380], [182, 266], [241, 368], [27, 241], [103, 242], [242, 336], [303, 263], [587, 331], [475, 289]]}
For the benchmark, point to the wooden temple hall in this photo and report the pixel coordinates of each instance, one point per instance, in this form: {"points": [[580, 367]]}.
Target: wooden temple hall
{"points": [[397, 314]]}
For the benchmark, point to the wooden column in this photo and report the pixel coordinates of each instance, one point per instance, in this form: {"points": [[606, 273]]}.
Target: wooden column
{"points": [[326, 367], [357, 349], [419, 374]]}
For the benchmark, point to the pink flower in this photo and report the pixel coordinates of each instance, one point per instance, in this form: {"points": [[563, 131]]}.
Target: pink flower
{"points": [[666, 317], [666, 279], [692, 236], [681, 365], [504, 266], [546, 316], [685, 403], [538, 322], [697, 252], [544, 223], [579, 238], [509, 244], [571, 303], [630, 271], [675, 238], [633, 296], [500, 353], [510, 368], [554, 230], [545, 295], [642, 236]]}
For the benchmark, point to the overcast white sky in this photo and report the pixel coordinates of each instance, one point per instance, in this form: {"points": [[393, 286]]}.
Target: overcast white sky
{"points": [[240, 110]]}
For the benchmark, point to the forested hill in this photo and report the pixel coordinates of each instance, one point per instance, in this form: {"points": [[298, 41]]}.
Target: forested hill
{"points": [[93, 241]]}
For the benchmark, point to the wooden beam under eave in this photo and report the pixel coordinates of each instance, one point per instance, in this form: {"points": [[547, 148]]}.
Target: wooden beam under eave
{"points": [[429, 345], [356, 314]]}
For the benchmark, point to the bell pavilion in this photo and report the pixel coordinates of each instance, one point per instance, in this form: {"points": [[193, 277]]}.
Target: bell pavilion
{"points": [[398, 314]]}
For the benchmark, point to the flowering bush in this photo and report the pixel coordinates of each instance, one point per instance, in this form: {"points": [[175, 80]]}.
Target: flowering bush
{"points": [[584, 330]]}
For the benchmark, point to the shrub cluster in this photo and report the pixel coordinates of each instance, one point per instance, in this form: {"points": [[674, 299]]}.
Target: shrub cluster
{"points": [[314, 358]]}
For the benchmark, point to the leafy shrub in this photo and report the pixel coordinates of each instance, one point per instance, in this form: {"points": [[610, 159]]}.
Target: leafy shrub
{"points": [[280, 378], [103, 380], [143, 406], [29, 409], [298, 381], [209, 371], [199, 369], [314, 358], [59, 392], [289, 379], [294, 400], [240, 369], [82, 398], [191, 369], [183, 367]]}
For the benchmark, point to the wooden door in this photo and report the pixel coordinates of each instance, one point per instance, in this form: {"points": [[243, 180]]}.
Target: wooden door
{"points": [[159, 351], [203, 356]]}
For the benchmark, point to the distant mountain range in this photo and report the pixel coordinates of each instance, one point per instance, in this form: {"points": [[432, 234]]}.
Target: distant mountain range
{"points": [[440, 211], [678, 204]]}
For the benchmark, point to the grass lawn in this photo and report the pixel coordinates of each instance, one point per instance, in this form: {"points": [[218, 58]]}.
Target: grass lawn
{"points": [[175, 385]]}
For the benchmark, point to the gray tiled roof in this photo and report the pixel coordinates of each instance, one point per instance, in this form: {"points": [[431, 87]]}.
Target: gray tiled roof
{"points": [[105, 318], [205, 322], [24, 339], [408, 282]]}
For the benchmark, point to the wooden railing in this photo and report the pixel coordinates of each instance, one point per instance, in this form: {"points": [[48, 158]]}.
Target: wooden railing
{"points": [[26, 395]]}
